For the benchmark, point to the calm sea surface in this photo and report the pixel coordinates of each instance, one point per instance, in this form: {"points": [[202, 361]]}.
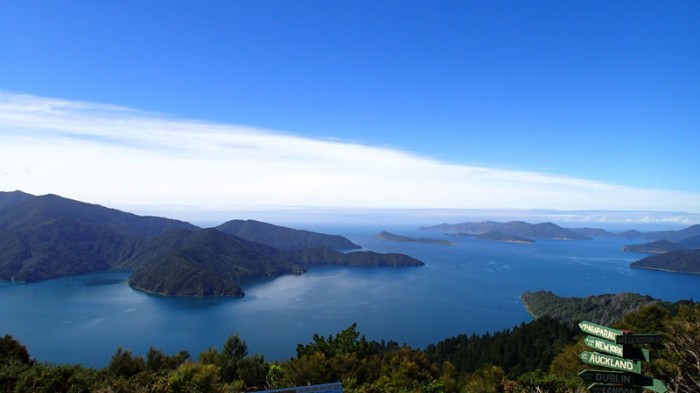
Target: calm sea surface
{"points": [[472, 287]]}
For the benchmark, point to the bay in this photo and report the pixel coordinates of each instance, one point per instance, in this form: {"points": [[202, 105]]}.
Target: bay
{"points": [[471, 287]]}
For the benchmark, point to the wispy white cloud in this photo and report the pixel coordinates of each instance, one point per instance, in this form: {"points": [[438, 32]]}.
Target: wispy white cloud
{"points": [[115, 155]]}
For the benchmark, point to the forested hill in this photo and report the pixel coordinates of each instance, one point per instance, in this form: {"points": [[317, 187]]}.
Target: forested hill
{"points": [[204, 263], [524, 348], [284, 238], [49, 236], [685, 261], [603, 309]]}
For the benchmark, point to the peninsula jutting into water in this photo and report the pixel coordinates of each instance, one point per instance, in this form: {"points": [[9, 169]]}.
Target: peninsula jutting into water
{"points": [[50, 236]]}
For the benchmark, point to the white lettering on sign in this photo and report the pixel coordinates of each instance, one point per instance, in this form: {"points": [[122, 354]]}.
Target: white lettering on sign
{"points": [[598, 331], [611, 362], [609, 348]]}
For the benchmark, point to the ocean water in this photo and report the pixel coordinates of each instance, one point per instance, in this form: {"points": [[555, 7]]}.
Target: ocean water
{"points": [[472, 287]]}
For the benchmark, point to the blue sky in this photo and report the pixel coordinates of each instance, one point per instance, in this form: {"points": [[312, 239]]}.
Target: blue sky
{"points": [[561, 104]]}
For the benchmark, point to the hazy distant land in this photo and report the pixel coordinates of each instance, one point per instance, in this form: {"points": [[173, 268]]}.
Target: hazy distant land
{"points": [[390, 237], [497, 236]]}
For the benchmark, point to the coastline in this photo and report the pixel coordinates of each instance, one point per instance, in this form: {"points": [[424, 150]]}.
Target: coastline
{"points": [[527, 308], [664, 270]]}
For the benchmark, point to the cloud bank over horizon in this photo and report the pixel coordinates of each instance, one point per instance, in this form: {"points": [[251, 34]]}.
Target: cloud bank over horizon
{"points": [[120, 156]]}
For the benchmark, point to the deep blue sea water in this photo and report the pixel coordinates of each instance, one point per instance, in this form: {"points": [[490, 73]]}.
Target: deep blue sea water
{"points": [[472, 287]]}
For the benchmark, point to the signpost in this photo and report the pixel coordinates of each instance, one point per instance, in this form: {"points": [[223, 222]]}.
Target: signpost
{"points": [[600, 330], [627, 339], [615, 378], [599, 388], [607, 342], [622, 351], [604, 346], [599, 359], [336, 387]]}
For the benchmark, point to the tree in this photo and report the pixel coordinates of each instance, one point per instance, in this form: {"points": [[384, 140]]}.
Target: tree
{"points": [[274, 377], [193, 377], [233, 352], [683, 341], [124, 364], [486, 380], [12, 349], [157, 361]]}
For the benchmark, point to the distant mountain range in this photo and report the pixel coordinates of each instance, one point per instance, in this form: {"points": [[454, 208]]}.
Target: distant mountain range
{"points": [[542, 231], [43, 237], [687, 237], [679, 250], [497, 236]]}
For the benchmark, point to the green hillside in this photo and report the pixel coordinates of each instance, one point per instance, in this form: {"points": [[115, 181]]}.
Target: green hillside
{"points": [[49, 236], [603, 309], [284, 238]]}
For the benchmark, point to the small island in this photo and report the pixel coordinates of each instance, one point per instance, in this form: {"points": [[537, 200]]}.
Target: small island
{"points": [[656, 247], [541, 231], [390, 237]]}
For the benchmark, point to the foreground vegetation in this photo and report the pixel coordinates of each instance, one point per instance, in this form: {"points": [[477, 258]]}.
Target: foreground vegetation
{"points": [[541, 356]]}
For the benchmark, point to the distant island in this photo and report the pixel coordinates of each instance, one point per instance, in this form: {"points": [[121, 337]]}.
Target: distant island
{"points": [[603, 309], [497, 236], [655, 247], [44, 237], [542, 231], [684, 261], [662, 246], [388, 236]]}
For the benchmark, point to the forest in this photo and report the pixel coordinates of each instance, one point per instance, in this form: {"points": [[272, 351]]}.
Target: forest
{"points": [[540, 356]]}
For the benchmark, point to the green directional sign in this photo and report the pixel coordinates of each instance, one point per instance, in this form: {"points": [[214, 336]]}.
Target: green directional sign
{"points": [[606, 346], [628, 339], [610, 347], [656, 386], [635, 353], [622, 378], [612, 377], [600, 330], [614, 362], [600, 388]]}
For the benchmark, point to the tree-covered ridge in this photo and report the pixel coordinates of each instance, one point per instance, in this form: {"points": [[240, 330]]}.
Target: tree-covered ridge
{"points": [[540, 356], [284, 238], [524, 348], [685, 261], [50, 236], [603, 309], [206, 262]]}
